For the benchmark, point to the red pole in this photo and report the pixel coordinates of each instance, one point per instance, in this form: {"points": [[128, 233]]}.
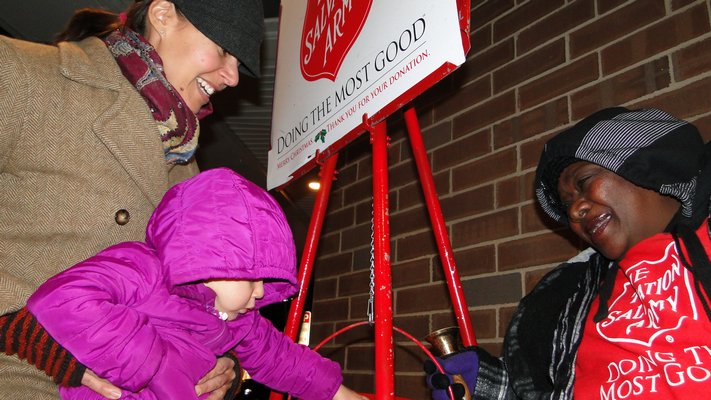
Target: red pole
{"points": [[440, 229], [307, 258], [384, 356]]}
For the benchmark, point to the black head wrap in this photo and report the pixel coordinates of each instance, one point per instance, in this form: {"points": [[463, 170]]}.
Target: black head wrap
{"points": [[647, 147]]}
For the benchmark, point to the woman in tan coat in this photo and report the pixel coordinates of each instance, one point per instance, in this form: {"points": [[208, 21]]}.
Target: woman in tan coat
{"points": [[92, 134]]}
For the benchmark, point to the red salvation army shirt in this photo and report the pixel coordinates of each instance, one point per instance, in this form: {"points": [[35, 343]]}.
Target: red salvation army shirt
{"points": [[656, 341]]}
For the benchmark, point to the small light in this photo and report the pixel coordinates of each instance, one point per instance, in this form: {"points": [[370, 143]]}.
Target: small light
{"points": [[314, 185]]}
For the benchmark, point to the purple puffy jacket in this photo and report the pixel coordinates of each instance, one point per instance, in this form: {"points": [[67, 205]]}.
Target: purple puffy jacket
{"points": [[138, 314]]}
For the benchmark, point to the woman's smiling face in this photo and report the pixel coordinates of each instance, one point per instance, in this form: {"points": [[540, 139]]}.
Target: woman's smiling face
{"points": [[609, 212], [194, 65]]}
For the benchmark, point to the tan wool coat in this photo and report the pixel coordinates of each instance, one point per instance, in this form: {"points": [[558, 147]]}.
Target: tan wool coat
{"points": [[81, 168]]}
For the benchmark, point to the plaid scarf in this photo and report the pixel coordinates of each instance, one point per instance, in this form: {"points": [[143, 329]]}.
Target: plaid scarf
{"points": [[143, 67]]}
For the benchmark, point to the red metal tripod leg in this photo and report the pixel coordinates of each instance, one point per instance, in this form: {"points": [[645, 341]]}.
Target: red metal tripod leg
{"points": [[384, 356], [440, 229], [307, 258]]}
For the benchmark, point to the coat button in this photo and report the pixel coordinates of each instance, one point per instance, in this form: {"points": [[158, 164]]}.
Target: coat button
{"points": [[122, 217]]}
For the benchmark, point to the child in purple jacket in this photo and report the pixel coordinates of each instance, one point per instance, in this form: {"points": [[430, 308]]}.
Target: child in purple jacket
{"points": [[152, 317]]}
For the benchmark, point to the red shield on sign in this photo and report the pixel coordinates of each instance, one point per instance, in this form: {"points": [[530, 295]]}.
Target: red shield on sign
{"points": [[330, 29]]}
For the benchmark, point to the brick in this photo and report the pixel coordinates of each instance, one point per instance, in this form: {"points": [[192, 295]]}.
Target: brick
{"points": [[522, 16], [362, 333], [489, 227], [415, 325], [319, 331], [355, 283], [360, 357], [359, 307], [487, 11], [409, 196], [480, 39], [421, 299], [345, 175], [483, 63], [360, 382], [355, 237], [656, 39], [510, 191], [603, 6], [436, 135], [329, 244], [615, 25], [531, 123], [494, 348], [442, 182], [335, 265], [332, 309], [365, 168], [461, 150], [411, 273], [412, 194], [483, 323], [463, 98], [556, 24], [558, 82], [402, 174], [408, 357], [416, 245], [505, 315], [704, 126], [622, 88], [363, 212], [323, 288], [677, 4], [534, 219], [538, 250], [394, 153], [357, 148], [499, 289], [361, 259], [691, 99], [531, 151], [411, 387], [339, 219], [487, 169], [414, 219], [468, 203], [475, 261], [358, 191], [484, 114], [533, 277], [534, 63], [692, 60], [442, 320]]}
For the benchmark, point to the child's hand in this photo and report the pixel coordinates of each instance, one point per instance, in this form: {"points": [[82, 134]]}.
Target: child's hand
{"points": [[344, 393]]}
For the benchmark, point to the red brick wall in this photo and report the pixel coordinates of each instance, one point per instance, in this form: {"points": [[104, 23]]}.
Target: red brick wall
{"points": [[535, 68]]}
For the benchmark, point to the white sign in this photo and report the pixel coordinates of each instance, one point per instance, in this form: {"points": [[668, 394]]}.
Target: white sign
{"points": [[344, 63]]}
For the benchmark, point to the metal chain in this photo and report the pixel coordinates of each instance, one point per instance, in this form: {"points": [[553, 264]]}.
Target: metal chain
{"points": [[371, 300]]}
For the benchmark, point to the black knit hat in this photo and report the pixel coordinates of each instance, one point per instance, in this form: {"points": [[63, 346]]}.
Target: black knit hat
{"points": [[235, 25], [647, 147]]}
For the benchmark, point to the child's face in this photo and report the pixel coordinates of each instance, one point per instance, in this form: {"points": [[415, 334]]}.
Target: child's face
{"points": [[235, 297]]}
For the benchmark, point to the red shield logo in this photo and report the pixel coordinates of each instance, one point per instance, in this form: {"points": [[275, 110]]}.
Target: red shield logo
{"points": [[330, 29]]}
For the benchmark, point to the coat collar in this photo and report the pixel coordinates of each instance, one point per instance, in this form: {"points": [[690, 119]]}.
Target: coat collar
{"points": [[126, 127]]}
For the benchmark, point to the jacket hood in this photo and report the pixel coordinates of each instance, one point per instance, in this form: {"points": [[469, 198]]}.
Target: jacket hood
{"points": [[219, 225]]}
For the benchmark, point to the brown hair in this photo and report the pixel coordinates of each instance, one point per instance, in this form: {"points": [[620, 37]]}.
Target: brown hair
{"points": [[88, 22]]}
